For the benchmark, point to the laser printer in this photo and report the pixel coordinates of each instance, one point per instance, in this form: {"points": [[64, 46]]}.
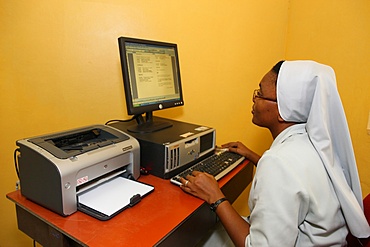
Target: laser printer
{"points": [[55, 168]]}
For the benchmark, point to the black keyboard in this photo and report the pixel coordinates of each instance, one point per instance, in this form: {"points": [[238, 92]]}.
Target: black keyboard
{"points": [[218, 164]]}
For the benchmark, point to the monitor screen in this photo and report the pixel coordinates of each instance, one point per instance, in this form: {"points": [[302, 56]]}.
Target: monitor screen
{"points": [[151, 79]]}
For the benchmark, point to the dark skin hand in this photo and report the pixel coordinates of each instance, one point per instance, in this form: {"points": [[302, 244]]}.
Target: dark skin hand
{"points": [[240, 148], [205, 186]]}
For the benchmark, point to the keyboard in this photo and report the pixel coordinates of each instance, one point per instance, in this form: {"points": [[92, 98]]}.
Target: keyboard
{"points": [[218, 164]]}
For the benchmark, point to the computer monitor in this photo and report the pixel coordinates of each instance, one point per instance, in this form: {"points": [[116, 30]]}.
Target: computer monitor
{"points": [[151, 79]]}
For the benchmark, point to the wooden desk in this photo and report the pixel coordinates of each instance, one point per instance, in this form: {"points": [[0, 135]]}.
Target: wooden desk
{"points": [[166, 217]]}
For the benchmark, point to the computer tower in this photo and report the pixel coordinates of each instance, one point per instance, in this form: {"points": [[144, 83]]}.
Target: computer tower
{"points": [[167, 152]]}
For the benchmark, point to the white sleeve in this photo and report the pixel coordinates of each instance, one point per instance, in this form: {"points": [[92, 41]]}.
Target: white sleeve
{"points": [[278, 204]]}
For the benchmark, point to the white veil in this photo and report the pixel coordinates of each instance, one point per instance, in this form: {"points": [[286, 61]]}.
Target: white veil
{"points": [[307, 92]]}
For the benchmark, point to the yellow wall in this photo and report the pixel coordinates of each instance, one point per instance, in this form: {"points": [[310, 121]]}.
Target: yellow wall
{"points": [[338, 33], [60, 69]]}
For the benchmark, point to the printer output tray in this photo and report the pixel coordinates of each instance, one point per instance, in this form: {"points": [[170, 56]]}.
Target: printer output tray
{"points": [[112, 197]]}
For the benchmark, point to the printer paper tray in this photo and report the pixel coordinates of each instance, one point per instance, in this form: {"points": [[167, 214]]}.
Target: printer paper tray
{"points": [[111, 197]]}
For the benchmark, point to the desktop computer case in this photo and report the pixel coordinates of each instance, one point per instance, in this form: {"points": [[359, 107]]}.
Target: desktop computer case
{"points": [[167, 152]]}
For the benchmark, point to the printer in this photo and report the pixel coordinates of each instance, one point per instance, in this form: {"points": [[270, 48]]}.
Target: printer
{"points": [[55, 168]]}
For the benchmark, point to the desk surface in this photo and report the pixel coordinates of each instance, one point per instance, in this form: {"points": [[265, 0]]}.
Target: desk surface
{"points": [[145, 224]]}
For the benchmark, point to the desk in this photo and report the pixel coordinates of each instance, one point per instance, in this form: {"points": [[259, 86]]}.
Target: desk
{"points": [[166, 217]]}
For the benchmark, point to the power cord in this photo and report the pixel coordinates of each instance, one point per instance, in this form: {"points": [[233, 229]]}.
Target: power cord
{"points": [[18, 150], [119, 120], [17, 184]]}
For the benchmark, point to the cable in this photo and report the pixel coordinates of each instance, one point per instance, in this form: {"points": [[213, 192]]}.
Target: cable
{"points": [[15, 161], [118, 120]]}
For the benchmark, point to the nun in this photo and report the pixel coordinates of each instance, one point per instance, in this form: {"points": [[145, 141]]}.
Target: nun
{"points": [[306, 189]]}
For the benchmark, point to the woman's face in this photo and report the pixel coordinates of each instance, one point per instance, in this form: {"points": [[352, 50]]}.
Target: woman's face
{"points": [[265, 110]]}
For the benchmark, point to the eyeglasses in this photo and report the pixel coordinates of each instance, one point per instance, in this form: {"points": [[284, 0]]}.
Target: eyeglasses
{"points": [[257, 94]]}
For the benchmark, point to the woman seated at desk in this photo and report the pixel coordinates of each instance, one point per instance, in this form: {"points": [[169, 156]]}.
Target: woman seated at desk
{"points": [[306, 190]]}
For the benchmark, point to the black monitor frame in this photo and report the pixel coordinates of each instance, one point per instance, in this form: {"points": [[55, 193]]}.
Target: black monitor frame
{"points": [[147, 125]]}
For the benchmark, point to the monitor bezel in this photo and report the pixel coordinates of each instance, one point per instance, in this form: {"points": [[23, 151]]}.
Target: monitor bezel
{"points": [[138, 110]]}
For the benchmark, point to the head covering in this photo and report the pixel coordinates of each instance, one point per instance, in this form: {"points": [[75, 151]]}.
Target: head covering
{"points": [[307, 92]]}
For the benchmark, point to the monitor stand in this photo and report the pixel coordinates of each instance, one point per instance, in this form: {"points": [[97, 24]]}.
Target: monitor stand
{"points": [[148, 125]]}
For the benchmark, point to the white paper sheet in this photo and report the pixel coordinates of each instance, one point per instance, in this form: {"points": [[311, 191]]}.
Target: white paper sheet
{"points": [[113, 195]]}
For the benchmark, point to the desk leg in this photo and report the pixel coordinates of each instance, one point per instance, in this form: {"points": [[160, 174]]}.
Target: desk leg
{"points": [[41, 232]]}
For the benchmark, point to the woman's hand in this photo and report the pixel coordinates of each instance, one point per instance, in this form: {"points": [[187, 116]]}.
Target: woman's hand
{"points": [[240, 148], [202, 185], [205, 186]]}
